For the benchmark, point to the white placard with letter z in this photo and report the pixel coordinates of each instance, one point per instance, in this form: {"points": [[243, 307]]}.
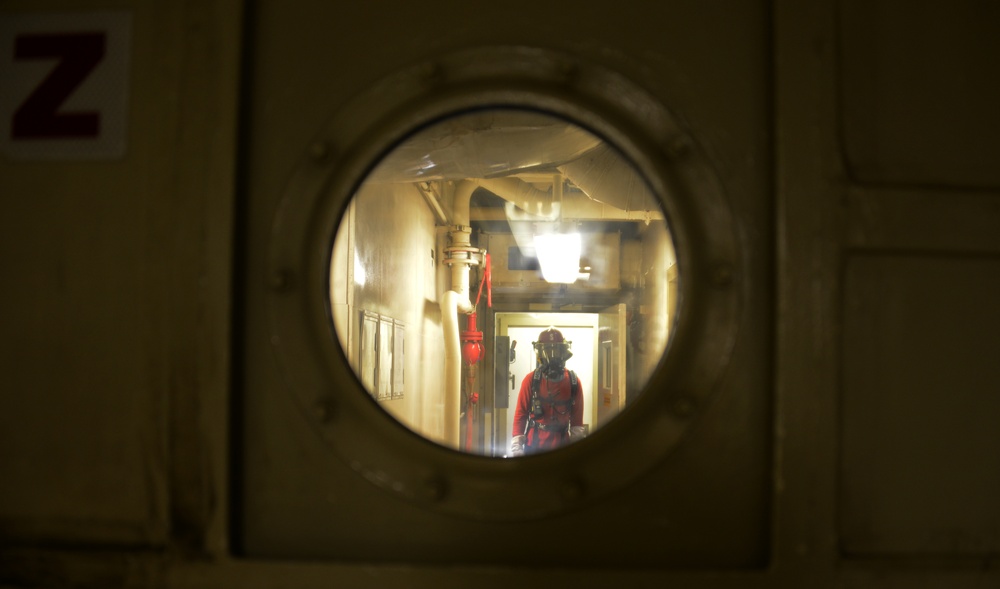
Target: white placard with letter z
{"points": [[64, 85]]}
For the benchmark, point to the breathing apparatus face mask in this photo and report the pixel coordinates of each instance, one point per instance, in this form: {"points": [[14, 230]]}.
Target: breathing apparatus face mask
{"points": [[552, 357]]}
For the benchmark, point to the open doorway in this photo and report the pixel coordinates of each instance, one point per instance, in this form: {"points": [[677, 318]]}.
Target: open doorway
{"points": [[597, 361]]}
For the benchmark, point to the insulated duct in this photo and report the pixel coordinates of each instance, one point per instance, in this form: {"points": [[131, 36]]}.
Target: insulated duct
{"points": [[487, 144], [491, 147], [605, 176]]}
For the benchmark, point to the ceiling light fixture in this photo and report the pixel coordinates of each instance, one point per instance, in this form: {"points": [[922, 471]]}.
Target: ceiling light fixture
{"points": [[559, 256]]}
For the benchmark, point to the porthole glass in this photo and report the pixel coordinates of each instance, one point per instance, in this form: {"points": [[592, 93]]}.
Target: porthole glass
{"points": [[503, 282]]}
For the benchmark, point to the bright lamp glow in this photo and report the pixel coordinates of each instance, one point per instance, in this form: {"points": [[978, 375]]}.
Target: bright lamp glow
{"points": [[559, 256]]}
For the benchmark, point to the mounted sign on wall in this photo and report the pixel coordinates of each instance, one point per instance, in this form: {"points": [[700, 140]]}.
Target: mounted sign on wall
{"points": [[65, 85]]}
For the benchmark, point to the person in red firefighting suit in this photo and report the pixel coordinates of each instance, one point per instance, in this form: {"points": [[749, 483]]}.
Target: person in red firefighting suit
{"points": [[549, 411]]}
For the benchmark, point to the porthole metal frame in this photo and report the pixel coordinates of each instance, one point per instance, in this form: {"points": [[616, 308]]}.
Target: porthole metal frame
{"points": [[316, 371]]}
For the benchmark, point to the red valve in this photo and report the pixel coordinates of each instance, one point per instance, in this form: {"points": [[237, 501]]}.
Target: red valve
{"points": [[473, 351], [472, 343]]}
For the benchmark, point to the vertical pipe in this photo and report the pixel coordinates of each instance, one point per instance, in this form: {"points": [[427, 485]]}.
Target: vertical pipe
{"points": [[452, 301], [452, 367]]}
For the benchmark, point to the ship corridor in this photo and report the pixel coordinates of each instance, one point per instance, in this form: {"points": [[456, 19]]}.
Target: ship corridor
{"points": [[493, 182]]}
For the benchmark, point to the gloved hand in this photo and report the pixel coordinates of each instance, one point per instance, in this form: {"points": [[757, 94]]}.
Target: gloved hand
{"points": [[517, 446], [577, 433]]}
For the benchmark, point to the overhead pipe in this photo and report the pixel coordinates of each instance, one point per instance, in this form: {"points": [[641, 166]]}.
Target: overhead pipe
{"points": [[578, 207], [523, 196]]}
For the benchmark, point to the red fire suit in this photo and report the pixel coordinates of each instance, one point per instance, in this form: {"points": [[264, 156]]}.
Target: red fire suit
{"points": [[561, 408]]}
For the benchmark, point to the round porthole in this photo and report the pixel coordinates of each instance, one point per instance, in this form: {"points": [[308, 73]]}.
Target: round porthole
{"points": [[511, 234], [504, 253]]}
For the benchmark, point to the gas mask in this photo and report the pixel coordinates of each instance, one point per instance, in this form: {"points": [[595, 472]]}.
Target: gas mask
{"points": [[552, 352]]}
